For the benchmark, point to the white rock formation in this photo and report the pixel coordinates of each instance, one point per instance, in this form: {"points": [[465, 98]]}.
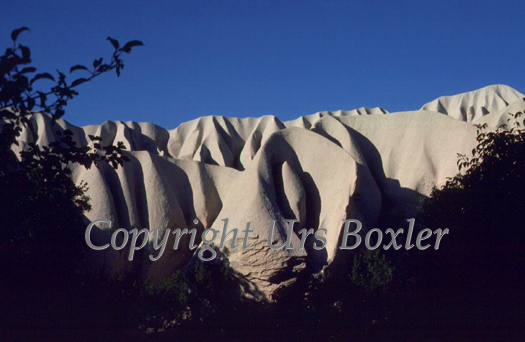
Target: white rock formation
{"points": [[318, 169], [474, 105]]}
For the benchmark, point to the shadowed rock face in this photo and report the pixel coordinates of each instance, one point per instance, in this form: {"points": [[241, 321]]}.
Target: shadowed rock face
{"points": [[320, 169]]}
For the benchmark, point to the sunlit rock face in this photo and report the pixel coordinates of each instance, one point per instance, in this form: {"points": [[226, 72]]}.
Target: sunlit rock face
{"points": [[320, 169]]}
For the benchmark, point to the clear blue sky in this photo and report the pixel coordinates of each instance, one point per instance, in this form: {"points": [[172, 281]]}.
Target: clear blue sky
{"points": [[245, 58]]}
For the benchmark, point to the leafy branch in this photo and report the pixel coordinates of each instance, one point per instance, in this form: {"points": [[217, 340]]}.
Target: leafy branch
{"points": [[19, 100]]}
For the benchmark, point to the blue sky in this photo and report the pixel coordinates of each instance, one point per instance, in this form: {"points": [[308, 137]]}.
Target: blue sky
{"points": [[286, 58]]}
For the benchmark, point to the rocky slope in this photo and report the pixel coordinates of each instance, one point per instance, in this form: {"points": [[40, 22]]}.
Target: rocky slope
{"points": [[319, 169]]}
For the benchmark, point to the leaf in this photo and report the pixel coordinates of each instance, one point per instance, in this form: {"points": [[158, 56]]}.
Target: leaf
{"points": [[94, 138], [61, 76], [27, 70], [127, 48], [103, 68], [26, 53], [58, 114], [77, 82], [42, 75], [97, 62], [78, 67], [30, 103], [15, 33], [114, 42]]}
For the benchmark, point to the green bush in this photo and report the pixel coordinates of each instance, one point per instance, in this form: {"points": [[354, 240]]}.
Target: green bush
{"points": [[371, 271]]}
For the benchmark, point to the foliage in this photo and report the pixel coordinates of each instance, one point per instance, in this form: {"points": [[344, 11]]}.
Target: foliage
{"points": [[41, 209], [215, 289], [39, 200], [346, 303], [36, 188], [476, 275], [19, 98], [490, 186], [131, 303], [165, 301], [372, 271]]}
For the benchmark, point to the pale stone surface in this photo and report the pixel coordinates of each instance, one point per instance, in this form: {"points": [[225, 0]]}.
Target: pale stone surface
{"points": [[472, 106], [318, 169]]}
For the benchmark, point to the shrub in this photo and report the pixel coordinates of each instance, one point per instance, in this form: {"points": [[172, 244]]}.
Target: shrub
{"points": [[371, 271], [41, 215], [475, 277]]}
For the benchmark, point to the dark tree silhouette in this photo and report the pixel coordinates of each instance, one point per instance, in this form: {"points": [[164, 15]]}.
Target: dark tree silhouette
{"points": [[41, 208], [477, 275]]}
